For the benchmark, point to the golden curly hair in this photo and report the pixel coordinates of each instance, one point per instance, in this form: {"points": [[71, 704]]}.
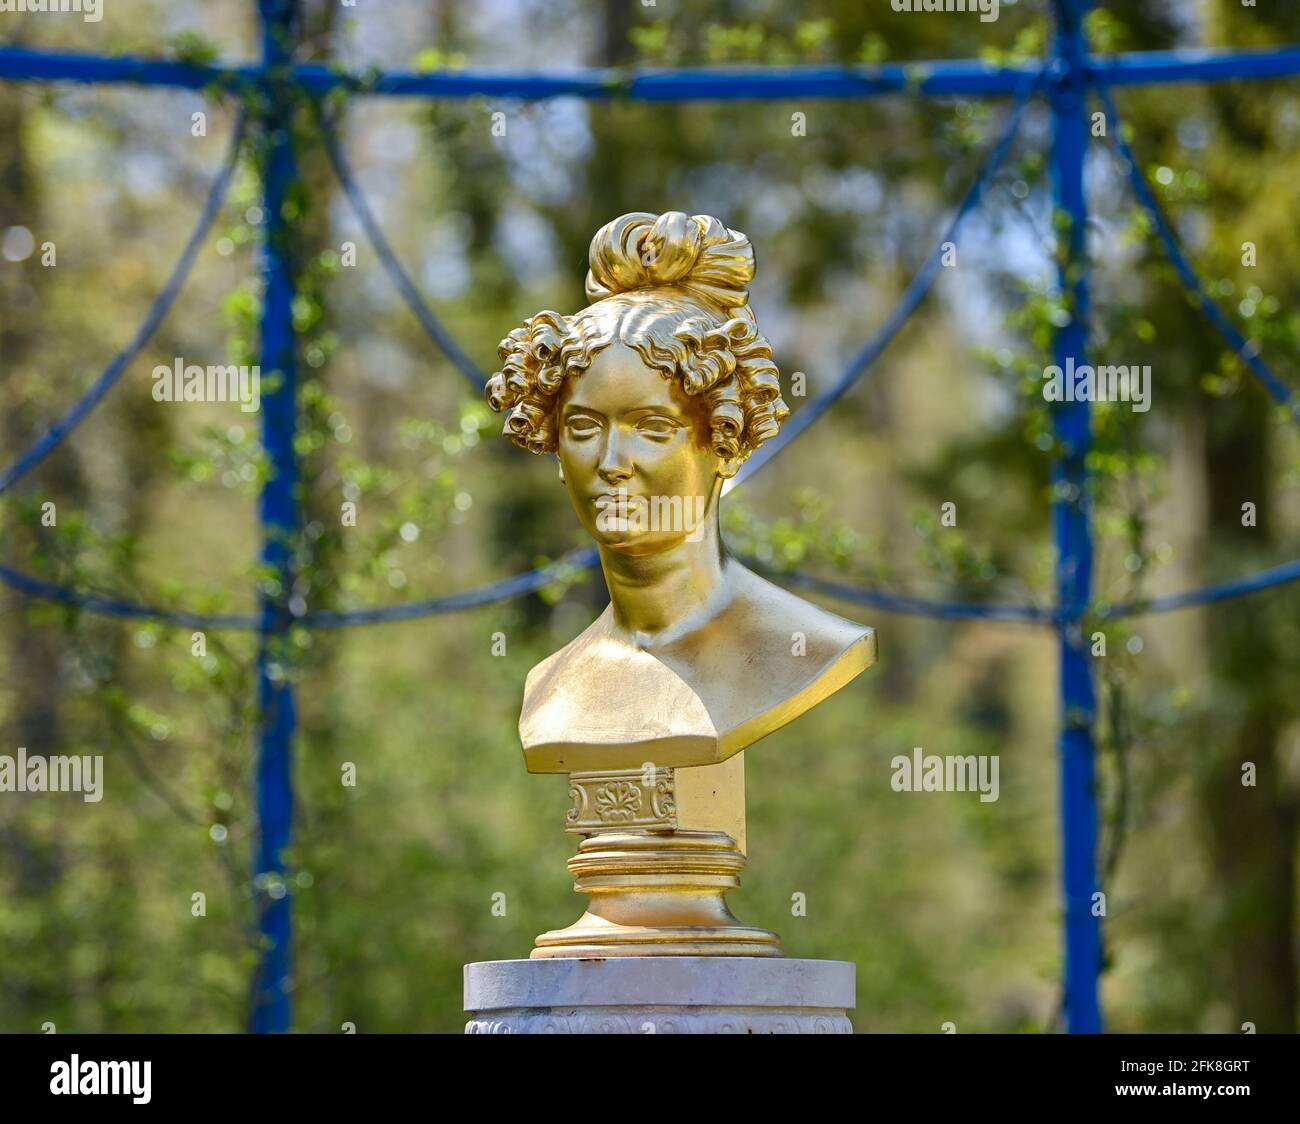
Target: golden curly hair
{"points": [[672, 287]]}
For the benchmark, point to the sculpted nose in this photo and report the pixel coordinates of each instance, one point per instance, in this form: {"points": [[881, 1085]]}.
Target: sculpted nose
{"points": [[614, 473], [614, 467]]}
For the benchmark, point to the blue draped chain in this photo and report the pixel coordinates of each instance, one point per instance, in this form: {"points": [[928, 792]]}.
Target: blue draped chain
{"points": [[576, 561]]}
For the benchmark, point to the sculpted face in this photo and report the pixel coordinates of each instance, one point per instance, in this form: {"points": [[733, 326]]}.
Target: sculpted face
{"points": [[634, 455]]}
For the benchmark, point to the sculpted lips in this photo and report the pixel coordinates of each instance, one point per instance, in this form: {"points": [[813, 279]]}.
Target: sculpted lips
{"points": [[621, 512], [604, 501]]}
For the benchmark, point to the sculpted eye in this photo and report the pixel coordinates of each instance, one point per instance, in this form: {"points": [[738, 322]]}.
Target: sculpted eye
{"points": [[660, 428], [581, 427]]}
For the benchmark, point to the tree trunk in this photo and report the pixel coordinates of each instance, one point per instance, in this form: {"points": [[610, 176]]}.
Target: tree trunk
{"points": [[1251, 830]]}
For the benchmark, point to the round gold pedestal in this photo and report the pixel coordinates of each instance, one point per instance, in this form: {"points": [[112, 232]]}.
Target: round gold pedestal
{"points": [[657, 893]]}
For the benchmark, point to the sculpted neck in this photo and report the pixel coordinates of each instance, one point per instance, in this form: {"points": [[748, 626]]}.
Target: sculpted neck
{"points": [[667, 593]]}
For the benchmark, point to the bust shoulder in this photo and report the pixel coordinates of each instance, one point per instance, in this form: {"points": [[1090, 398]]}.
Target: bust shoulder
{"points": [[765, 618], [764, 657]]}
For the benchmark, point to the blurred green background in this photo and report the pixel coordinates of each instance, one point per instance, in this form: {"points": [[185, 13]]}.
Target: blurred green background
{"points": [[949, 906]]}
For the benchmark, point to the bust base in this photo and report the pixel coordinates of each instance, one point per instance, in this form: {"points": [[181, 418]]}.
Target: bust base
{"points": [[660, 995], [657, 893]]}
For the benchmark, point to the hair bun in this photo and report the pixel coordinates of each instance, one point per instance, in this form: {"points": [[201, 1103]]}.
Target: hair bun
{"points": [[694, 252]]}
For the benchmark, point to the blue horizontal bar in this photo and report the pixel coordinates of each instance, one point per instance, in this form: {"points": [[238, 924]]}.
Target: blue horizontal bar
{"points": [[1146, 68], [908, 603], [716, 84], [962, 77], [1222, 591], [24, 64], [722, 84], [108, 604]]}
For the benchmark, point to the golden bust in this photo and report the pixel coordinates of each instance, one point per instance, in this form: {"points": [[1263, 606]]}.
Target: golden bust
{"points": [[651, 397]]}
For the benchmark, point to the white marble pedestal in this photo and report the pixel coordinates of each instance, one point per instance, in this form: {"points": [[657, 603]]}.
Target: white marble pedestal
{"points": [[660, 995]]}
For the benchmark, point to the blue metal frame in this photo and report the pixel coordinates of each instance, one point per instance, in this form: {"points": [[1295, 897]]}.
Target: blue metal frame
{"points": [[959, 78], [279, 510], [1073, 533], [1071, 73]]}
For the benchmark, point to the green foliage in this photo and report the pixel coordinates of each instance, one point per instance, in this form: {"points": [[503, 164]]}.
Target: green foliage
{"points": [[948, 906], [192, 48]]}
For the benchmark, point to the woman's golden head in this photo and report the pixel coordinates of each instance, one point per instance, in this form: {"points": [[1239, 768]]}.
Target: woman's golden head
{"points": [[672, 288]]}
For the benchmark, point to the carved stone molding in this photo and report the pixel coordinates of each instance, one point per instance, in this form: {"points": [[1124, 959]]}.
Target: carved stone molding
{"points": [[621, 798]]}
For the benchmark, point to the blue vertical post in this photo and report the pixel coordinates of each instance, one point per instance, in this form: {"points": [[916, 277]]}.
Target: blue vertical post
{"points": [[1073, 534], [272, 1010]]}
